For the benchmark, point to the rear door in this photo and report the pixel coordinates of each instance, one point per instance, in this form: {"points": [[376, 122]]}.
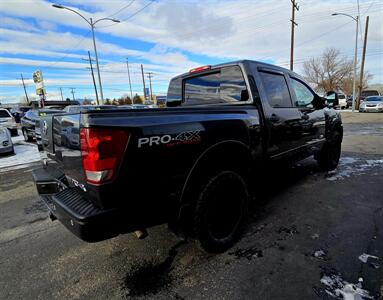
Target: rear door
{"points": [[282, 119]]}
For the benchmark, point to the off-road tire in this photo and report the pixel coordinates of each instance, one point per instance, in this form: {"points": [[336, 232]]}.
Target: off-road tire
{"points": [[328, 157], [221, 211]]}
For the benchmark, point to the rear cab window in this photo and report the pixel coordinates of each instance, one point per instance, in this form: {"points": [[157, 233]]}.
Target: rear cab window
{"points": [[219, 86], [276, 89]]}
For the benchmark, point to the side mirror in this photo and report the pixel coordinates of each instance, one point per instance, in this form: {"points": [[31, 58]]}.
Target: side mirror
{"points": [[318, 102]]}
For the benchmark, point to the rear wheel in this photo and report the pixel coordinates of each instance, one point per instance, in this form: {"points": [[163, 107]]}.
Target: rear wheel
{"points": [[328, 157], [221, 211]]}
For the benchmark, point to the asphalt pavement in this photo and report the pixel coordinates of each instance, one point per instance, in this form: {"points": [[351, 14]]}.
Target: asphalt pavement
{"points": [[310, 235]]}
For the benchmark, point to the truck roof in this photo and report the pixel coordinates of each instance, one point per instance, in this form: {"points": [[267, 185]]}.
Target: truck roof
{"points": [[244, 62]]}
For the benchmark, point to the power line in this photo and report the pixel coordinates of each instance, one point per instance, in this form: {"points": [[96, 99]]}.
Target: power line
{"points": [[131, 16], [68, 49], [121, 9]]}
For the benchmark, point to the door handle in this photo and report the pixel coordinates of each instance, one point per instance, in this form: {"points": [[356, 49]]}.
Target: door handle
{"points": [[274, 118], [305, 116]]}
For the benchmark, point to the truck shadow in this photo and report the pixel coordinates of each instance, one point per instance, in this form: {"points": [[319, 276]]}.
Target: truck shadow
{"points": [[149, 278], [278, 178]]}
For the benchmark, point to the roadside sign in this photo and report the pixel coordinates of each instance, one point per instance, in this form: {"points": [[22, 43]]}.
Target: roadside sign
{"points": [[39, 81]]}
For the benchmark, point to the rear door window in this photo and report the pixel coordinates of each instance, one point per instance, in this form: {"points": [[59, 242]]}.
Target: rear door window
{"points": [[223, 86], [276, 89]]}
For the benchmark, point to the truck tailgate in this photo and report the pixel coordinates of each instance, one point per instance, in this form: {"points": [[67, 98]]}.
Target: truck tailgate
{"points": [[60, 138]]}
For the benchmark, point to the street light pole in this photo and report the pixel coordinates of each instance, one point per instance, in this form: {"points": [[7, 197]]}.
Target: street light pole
{"points": [[355, 56], [92, 25], [355, 62], [98, 66]]}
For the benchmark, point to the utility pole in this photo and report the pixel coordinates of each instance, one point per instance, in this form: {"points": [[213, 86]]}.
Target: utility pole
{"points": [[72, 91], [130, 83], [62, 97], [150, 75], [143, 81], [293, 24], [94, 81], [362, 65], [25, 90]]}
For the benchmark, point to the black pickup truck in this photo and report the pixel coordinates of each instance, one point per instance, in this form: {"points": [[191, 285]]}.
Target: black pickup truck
{"points": [[189, 164]]}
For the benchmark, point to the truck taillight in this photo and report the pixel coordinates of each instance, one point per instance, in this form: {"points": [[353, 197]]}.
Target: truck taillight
{"points": [[102, 151]]}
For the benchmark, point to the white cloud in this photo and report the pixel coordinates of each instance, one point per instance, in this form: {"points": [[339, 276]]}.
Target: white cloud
{"points": [[218, 29]]}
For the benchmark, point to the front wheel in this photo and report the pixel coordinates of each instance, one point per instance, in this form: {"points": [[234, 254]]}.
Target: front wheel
{"points": [[328, 157], [221, 211]]}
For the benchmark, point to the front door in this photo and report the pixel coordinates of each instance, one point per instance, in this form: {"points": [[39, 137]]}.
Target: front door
{"points": [[283, 120], [313, 117]]}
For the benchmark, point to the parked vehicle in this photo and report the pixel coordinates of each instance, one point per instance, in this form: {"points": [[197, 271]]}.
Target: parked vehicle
{"points": [[28, 122], [6, 145], [7, 121], [19, 112], [78, 108], [349, 102], [368, 93], [222, 124], [336, 99], [342, 101], [372, 104]]}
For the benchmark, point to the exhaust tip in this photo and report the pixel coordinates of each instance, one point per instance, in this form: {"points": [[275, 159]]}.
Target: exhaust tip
{"points": [[141, 234]]}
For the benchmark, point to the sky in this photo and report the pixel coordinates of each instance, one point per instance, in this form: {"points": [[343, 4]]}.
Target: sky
{"points": [[169, 37]]}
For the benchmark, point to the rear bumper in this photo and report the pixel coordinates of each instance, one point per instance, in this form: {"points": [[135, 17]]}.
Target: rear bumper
{"points": [[72, 209]]}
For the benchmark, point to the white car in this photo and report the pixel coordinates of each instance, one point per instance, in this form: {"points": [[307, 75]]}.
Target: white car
{"points": [[372, 104], [7, 121], [6, 145], [342, 101]]}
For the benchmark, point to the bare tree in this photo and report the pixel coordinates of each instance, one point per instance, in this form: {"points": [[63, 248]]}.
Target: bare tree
{"points": [[346, 84], [328, 71]]}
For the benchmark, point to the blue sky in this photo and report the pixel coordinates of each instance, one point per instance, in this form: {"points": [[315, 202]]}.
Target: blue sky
{"points": [[168, 37]]}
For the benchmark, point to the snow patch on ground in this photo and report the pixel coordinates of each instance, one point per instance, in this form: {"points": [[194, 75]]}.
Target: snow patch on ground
{"points": [[337, 287], [364, 257], [25, 154], [351, 166]]}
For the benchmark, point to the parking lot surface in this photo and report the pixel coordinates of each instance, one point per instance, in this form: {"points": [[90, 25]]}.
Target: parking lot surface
{"points": [[310, 235]]}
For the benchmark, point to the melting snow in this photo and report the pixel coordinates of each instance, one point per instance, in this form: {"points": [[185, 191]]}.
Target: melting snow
{"points": [[25, 154], [350, 166], [364, 257], [320, 253], [337, 287]]}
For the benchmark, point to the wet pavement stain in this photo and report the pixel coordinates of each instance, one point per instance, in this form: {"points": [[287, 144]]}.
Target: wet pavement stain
{"points": [[248, 253], [148, 278], [37, 207]]}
